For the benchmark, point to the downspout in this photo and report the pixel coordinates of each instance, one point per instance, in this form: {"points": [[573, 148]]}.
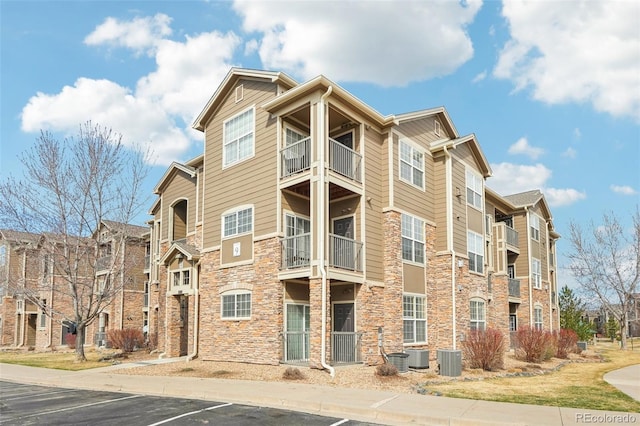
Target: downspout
{"points": [[450, 248], [122, 250], [196, 312], [526, 210], [322, 230]]}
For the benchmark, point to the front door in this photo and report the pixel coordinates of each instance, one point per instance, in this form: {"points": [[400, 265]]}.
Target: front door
{"points": [[343, 248], [31, 329], [344, 341], [184, 325], [297, 333]]}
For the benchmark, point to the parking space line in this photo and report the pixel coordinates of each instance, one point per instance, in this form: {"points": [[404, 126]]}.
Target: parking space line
{"points": [[340, 422], [191, 413], [76, 407], [31, 395]]}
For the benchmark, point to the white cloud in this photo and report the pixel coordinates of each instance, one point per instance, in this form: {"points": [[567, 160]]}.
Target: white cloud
{"points": [[157, 111], [522, 147], [479, 77], [623, 189], [509, 178], [139, 34], [570, 153], [575, 51], [577, 134], [376, 42]]}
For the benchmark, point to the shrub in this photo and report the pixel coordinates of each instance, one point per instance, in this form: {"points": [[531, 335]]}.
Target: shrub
{"points": [[567, 342], [292, 373], [126, 340], [387, 370], [533, 345], [152, 342], [485, 349], [70, 340]]}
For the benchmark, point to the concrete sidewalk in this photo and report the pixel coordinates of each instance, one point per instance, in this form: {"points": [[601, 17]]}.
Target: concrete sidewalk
{"points": [[626, 379], [357, 404]]}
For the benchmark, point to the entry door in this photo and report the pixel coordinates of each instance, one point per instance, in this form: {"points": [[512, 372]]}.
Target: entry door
{"points": [[343, 248], [31, 329], [342, 158], [184, 321], [297, 333], [344, 342]]}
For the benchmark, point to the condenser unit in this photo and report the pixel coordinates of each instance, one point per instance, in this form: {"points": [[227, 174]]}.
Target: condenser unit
{"points": [[418, 358], [450, 362]]}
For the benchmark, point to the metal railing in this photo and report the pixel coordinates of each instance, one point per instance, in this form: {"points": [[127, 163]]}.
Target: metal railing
{"points": [[145, 302], [296, 346], [514, 287], [296, 251], [345, 253], [346, 347], [103, 263], [147, 261], [296, 158], [512, 236], [345, 161]]}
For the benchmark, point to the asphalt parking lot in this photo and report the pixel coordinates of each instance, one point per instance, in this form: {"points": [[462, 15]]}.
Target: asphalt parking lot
{"points": [[22, 404]]}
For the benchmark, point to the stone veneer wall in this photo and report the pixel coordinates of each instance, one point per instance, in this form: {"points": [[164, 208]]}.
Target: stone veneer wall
{"points": [[391, 297], [257, 340], [8, 327]]}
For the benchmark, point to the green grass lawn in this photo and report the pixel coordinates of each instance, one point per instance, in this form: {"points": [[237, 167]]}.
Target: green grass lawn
{"points": [[64, 360]]}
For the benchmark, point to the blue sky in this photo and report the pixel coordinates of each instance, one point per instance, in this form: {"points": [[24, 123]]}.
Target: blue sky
{"points": [[551, 89]]}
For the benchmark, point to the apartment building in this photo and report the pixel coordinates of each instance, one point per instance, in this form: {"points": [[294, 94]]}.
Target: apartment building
{"points": [[315, 230], [31, 267]]}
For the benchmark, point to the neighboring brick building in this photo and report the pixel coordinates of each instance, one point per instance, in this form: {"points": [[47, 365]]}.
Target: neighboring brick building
{"points": [[313, 228]]}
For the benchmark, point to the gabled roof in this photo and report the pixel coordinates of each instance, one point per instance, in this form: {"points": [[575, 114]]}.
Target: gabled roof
{"points": [[530, 199], [441, 112], [474, 146], [187, 250], [174, 167], [232, 76], [126, 228], [321, 83], [19, 236]]}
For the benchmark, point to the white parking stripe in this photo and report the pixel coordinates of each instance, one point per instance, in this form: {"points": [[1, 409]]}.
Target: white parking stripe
{"points": [[340, 422], [191, 413], [78, 406], [31, 395]]}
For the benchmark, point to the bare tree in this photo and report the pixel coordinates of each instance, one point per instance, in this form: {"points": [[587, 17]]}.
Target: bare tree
{"points": [[604, 260], [68, 189]]}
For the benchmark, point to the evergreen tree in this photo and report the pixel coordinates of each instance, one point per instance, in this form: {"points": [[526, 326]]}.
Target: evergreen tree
{"points": [[572, 313]]}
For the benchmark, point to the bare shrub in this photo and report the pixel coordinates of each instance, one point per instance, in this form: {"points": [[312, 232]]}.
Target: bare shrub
{"points": [[567, 342], [386, 370], [127, 339], [292, 373], [485, 349], [70, 340], [533, 345]]}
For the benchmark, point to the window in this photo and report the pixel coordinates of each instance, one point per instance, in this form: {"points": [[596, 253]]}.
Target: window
{"points": [[474, 190], [291, 137], [239, 93], [236, 305], [536, 273], [535, 227], [411, 165], [238, 222], [537, 318], [477, 315], [475, 249], [436, 128], [414, 319], [43, 314], [412, 239], [238, 137]]}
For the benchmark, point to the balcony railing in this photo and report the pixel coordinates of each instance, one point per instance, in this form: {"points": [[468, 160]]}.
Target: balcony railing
{"points": [[296, 346], [345, 253], [296, 251], [296, 158], [146, 300], [512, 236], [345, 161], [103, 263], [345, 347], [147, 261], [514, 287]]}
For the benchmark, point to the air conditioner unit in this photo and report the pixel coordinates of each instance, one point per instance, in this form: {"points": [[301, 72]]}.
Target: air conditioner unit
{"points": [[418, 358], [450, 362]]}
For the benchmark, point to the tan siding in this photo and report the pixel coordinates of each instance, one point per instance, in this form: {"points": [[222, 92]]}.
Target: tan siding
{"points": [[252, 181], [296, 292], [440, 202], [246, 249], [298, 205], [475, 220], [180, 186], [459, 207], [375, 171], [408, 197], [413, 278], [421, 130]]}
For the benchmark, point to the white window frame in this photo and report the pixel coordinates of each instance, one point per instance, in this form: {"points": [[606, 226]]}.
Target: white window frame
{"points": [[536, 273], [236, 307], [535, 227], [475, 189], [250, 131], [416, 314], [537, 317], [414, 235], [475, 251], [413, 167], [436, 127], [236, 228], [477, 314]]}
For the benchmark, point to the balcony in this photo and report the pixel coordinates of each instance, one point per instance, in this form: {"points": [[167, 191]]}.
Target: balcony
{"points": [[345, 161], [296, 158], [514, 288], [145, 302], [346, 347], [296, 251], [296, 346], [103, 263], [147, 262], [345, 253], [512, 237]]}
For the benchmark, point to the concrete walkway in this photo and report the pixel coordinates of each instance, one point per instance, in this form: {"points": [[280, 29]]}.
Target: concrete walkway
{"points": [[627, 380], [357, 404]]}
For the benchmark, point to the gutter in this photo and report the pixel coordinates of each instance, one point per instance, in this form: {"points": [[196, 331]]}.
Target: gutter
{"points": [[449, 195], [526, 209], [196, 312], [321, 232]]}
